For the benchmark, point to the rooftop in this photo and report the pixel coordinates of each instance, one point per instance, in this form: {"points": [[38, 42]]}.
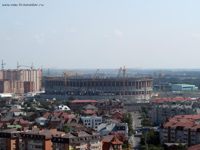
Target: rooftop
{"points": [[184, 121], [175, 99], [84, 101]]}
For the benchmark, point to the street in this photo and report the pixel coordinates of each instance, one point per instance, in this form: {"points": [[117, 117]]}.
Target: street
{"points": [[135, 141]]}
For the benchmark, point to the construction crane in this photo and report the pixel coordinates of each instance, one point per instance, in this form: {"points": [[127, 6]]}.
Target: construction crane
{"points": [[19, 66], [96, 74], [123, 72], [2, 65]]}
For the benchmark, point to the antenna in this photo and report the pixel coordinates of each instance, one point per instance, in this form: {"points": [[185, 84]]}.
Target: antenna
{"points": [[2, 65]]}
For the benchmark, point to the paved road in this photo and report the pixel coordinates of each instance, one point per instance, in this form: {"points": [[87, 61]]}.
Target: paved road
{"points": [[135, 141]]}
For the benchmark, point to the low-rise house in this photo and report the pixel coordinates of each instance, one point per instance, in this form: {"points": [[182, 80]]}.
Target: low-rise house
{"points": [[111, 142], [75, 105], [16, 112], [113, 128], [41, 121], [64, 108]]}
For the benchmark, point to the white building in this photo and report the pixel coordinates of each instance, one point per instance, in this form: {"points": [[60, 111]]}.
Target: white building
{"points": [[91, 121], [63, 107]]}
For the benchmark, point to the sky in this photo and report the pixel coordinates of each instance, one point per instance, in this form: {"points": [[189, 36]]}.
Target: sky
{"points": [[86, 34]]}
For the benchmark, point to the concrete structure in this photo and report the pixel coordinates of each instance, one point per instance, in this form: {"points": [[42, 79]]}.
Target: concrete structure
{"points": [[91, 121], [184, 87], [181, 129], [20, 81], [112, 87]]}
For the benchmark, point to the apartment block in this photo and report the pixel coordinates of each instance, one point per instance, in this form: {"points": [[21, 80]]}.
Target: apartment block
{"points": [[91, 121], [77, 140], [181, 129]]}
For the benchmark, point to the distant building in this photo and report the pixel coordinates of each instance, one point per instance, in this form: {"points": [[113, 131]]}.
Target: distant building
{"points": [[184, 87], [91, 121]]}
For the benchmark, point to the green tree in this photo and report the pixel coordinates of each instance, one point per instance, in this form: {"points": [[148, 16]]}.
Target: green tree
{"points": [[127, 118]]}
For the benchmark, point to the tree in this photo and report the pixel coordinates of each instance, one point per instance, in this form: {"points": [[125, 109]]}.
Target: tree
{"points": [[66, 128], [128, 119]]}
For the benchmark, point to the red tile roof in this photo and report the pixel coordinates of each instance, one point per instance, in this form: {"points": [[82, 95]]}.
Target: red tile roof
{"points": [[84, 101], [195, 147], [185, 121], [162, 100]]}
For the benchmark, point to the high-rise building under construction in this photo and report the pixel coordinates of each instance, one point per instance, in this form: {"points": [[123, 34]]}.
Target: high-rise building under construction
{"points": [[20, 81]]}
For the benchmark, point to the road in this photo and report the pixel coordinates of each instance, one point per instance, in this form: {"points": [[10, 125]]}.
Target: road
{"points": [[135, 141]]}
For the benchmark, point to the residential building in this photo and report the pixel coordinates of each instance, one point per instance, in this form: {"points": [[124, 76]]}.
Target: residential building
{"points": [[164, 108], [77, 140], [20, 81], [181, 129], [113, 128], [111, 142], [9, 139], [75, 105], [37, 139], [91, 121]]}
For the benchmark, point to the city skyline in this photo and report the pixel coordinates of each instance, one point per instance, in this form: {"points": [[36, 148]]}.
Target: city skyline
{"points": [[107, 34]]}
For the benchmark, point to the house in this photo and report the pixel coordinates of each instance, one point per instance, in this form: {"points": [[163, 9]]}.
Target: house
{"points": [[111, 142], [64, 108]]}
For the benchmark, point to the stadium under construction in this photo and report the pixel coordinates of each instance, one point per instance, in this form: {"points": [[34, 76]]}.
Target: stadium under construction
{"points": [[130, 88]]}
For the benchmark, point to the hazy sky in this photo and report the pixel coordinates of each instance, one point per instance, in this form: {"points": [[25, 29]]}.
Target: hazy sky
{"points": [[101, 33]]}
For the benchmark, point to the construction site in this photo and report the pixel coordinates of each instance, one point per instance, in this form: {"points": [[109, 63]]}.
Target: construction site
{"points": [[99, 87], [19, 81]]}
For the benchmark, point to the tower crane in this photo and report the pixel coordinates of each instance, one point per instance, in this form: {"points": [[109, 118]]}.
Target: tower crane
{"points": [[19, 66], [2, 64]]}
